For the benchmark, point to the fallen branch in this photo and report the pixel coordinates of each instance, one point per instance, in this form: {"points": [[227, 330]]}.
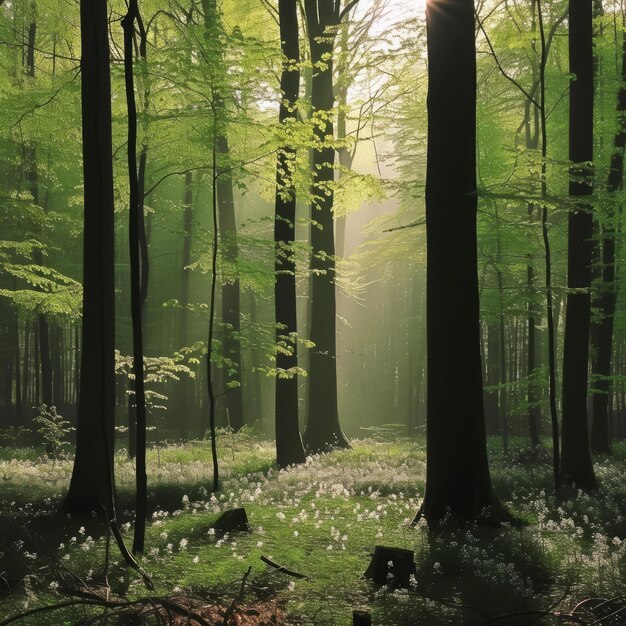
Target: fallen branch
{"points": [[165, 603], [239, 598], [280, 568]]}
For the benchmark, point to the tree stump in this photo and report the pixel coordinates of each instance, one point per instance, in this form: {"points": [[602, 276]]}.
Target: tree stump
{"points": [[391, 566], [361, 618], [232, 521]]}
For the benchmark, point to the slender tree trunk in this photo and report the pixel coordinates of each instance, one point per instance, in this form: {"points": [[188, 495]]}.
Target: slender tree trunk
{"points": [[183, 315], [458, 480], [492, 410], [576, 463], [289, 447], [600, 433], [231, 296], [503, 394], [231, 313], [531, 128], [32, 176], [534, 411], [134, 240], [551, 347], [26, 365]]}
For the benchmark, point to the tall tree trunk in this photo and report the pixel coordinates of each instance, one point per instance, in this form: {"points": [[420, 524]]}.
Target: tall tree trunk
{"points": [[289, 447], [136, 300], [576, 463], [183, 315], [600, 432], [458, 480], [32, 176], [231, 316], [323, 430], [550, 308], [231, 296], [531, 131], [92, 483], [503, 395]]}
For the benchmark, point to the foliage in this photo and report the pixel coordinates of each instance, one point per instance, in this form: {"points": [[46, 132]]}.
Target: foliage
{"points": [[53, 430]]}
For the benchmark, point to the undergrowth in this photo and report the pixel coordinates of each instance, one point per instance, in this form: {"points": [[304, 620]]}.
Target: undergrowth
{"points": [[322, 520]]}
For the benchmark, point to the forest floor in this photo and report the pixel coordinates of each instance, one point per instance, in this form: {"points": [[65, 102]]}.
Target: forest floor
{"points": [[321, 520]]}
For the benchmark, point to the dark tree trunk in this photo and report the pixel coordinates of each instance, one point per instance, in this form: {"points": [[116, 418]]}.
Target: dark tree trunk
{"points": [[289, 447], [576, 463], [600, 432], [136, 300], [92, 484], [457, 476], [323, 431]]}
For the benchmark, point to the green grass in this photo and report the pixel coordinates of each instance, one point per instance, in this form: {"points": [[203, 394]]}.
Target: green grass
{"points": [[323, 520]]}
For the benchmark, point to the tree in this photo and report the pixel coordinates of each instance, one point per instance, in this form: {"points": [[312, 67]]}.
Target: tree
{"points": [[233, 399], [576, 462], [135, 224], [600, 432], [323, 430], [289, 447], [92, 483], [457, 476], [31, 175]]}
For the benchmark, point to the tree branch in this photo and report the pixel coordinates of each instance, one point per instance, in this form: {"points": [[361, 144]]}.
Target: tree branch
{"points": [[347, 9]]}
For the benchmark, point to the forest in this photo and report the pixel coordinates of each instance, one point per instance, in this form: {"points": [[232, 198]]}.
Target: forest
{"points": [[311, 312]]}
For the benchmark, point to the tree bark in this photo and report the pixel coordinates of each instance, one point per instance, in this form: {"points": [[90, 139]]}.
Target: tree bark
{"points": [[323, 431], [576, 462], [92, 483], [135, 222], [458, 480], [600, 432], [289, 447]]}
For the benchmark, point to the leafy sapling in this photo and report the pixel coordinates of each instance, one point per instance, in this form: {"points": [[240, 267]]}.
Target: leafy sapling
{"points": [[53, 429]]}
